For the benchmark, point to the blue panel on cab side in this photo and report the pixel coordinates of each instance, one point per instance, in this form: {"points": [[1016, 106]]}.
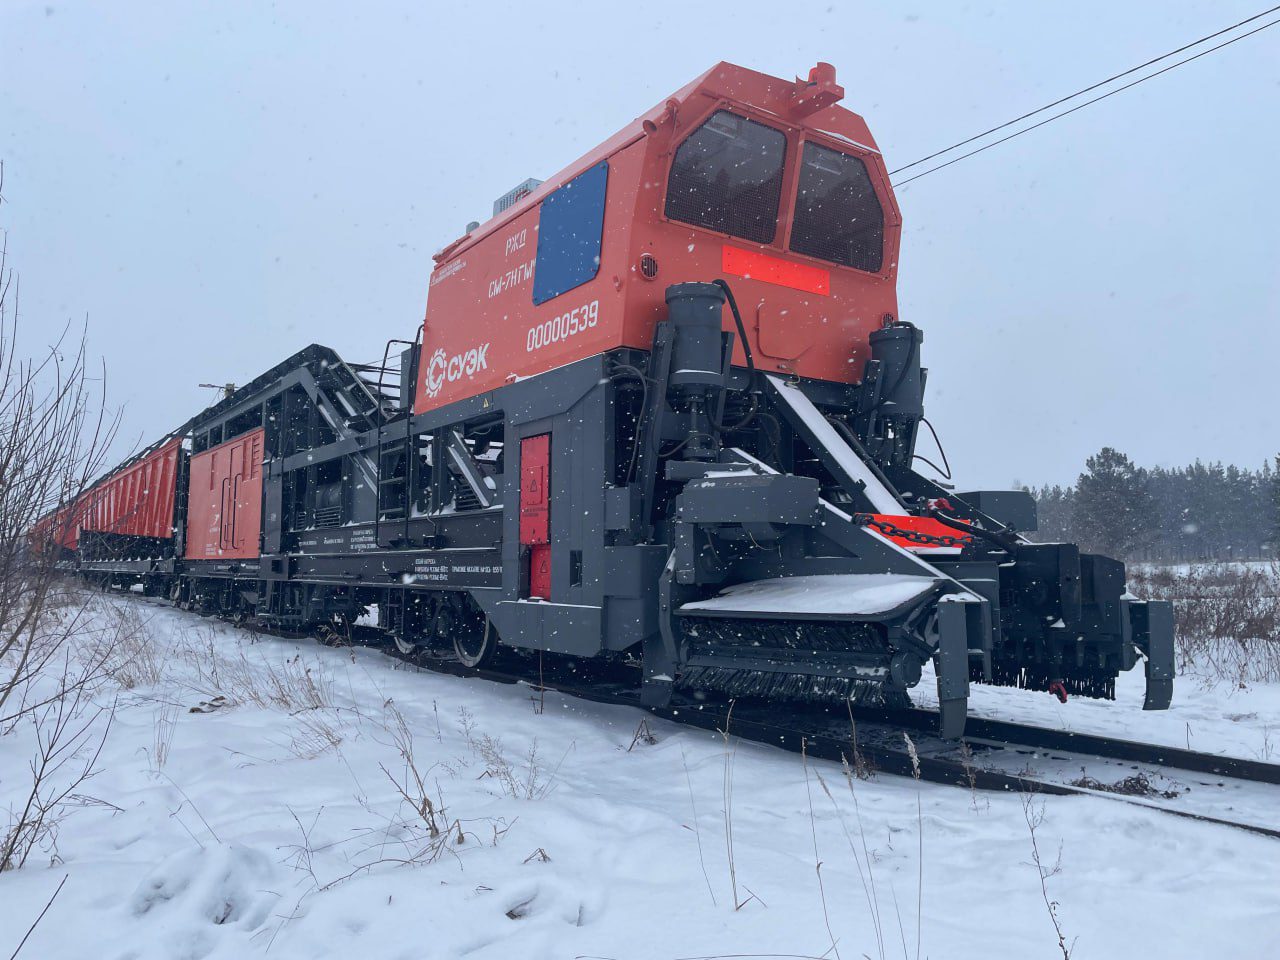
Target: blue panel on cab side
{"points": [[570, 229]]}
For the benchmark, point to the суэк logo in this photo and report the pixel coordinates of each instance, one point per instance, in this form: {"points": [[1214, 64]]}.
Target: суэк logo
{"points": [[444, 369]]}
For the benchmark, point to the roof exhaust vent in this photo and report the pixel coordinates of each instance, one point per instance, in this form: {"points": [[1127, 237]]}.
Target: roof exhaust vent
{"points": [[515, 195]]}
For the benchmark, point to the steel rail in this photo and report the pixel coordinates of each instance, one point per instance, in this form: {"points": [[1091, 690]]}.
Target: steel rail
{"points": [[870, 742], [978, 729]]}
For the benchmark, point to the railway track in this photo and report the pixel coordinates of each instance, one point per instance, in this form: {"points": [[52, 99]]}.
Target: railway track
{"points": [[1006, 758], [994, 755]]}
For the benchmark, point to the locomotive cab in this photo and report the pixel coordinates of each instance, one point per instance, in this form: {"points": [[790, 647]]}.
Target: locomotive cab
{"points": [[731, 177]]}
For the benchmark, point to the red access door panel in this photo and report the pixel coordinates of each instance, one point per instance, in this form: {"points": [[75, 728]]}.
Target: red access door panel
{"points": [[224, 507], [535, 511]]}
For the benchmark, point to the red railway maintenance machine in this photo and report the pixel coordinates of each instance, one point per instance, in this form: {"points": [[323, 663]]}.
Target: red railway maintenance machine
{"points": [[663, 409]]}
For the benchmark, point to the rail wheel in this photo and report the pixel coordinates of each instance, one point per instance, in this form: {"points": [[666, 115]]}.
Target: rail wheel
{"points": [[475, 642], [406, 646]]}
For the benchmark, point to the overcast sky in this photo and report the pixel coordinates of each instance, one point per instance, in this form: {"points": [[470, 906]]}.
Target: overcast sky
{"points": [[217, 185]]}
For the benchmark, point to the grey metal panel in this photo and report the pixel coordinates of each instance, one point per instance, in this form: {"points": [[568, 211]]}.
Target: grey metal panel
{"points": [[621, 508], [631, 575], [1160, 653], [559, 627], [444, 569], [772, 498], [239, 569], [571, 404], [953, 665], [272, 507], [1013, 508]]}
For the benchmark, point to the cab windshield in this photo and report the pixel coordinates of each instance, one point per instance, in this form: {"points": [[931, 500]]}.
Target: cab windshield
{"points": [[838, 217], [727, 176]]}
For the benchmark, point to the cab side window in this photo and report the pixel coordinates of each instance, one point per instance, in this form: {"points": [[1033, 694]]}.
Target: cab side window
{"points": [[570, 231]]}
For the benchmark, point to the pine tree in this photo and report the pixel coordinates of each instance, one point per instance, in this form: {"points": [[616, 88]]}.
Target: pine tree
{"points": [[1275, 507], [1053, 509], [1114, 512]]}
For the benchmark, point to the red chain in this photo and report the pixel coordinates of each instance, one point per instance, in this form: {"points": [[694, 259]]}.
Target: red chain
{"points": [[911, 536]]}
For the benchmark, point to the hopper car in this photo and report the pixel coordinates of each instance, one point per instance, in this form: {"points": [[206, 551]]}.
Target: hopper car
{"points": [[662, 408]]}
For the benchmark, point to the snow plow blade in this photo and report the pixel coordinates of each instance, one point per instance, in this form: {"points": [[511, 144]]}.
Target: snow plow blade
{"points": [[1153, 634]]}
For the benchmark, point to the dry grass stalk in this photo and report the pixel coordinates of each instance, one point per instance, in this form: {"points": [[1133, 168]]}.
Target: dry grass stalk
{"points": [[817, 860], [697, 831], [165, 724], [642, 735], [730, 755], [1033, 812]]}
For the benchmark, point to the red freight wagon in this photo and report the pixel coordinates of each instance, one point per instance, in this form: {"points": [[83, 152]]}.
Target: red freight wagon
{"points": [[55, 528], [138, 500], [224, 506], [581, 265]]}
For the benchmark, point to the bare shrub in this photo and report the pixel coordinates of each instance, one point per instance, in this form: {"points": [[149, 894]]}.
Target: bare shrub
{"points": [[293, 685], [69, 731], [198, 652], [418, 831], [523, 781], [411, 783], [318, 732], [1226, 616], [54, 432], [70, 648]]}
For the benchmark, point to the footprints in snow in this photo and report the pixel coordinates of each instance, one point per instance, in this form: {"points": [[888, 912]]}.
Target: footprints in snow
{"points": [[191, 893]]}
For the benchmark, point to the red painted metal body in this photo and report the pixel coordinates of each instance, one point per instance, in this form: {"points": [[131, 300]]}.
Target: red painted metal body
{"points": [[535, 511], [224, 506], [136, 501], [804, 316], [55, 529], [927, 526]]}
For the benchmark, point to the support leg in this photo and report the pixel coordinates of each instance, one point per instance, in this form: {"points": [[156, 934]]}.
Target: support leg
{"points": [[951, 663]]}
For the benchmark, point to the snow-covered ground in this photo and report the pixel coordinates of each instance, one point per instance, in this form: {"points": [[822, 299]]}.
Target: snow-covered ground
{"points": [[1207, 715], [285, 820]]}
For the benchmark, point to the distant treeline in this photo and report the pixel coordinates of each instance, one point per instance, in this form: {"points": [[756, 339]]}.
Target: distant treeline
{"points": [[1200, 512]]}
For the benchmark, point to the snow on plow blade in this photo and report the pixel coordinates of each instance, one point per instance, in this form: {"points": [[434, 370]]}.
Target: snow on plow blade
{"points": [[857, 596]]}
